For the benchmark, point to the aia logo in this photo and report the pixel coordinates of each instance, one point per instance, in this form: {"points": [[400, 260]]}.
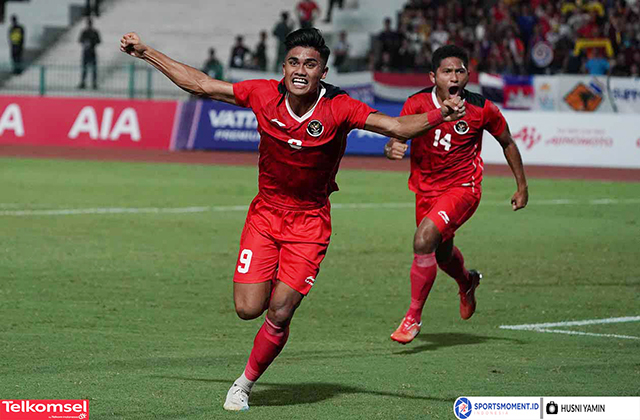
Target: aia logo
{"points": [[528, 136]]}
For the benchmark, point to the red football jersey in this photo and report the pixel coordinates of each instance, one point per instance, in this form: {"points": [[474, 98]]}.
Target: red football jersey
{"points": [[300, 155], [448, 155]]}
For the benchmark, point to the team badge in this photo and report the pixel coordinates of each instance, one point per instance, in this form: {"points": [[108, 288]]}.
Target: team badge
{"points": [[461, 127], [315, 128]]}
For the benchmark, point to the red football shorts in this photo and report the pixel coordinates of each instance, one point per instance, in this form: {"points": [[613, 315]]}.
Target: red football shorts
{"points": [[287, 243], [449, 210]]}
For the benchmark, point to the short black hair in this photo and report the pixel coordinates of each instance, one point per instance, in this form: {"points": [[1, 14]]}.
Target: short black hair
{"points": [[308, 37], [446, 52]]}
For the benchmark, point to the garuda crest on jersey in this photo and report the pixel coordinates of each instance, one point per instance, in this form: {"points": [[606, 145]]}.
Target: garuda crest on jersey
{"points": [[461, 127], [315, 128]]}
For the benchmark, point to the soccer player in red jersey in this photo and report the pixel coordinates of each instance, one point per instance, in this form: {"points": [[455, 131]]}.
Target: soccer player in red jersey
{"points": [[303, 125], [446, 176]]}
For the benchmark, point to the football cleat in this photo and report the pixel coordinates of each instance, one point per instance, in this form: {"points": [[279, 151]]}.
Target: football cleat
{"points": [[407, 331], [468, 297], [237, 399]]}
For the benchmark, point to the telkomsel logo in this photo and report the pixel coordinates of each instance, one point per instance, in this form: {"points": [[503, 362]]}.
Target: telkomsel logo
{"points": [[462, 408], [44, 409]]}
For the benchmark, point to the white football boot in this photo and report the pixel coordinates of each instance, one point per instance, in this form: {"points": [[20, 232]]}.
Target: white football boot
{"points": [[237, 399]]}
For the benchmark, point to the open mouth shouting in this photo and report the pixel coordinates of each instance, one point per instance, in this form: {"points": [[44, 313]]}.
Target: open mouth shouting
{"points": [[454, 90]]}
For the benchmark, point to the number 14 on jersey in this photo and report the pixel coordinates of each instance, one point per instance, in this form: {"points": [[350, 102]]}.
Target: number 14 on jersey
{"points": [[445, 140]]}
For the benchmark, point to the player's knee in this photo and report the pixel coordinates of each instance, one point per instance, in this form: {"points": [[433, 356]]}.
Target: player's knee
{"points": [[422, 245], [247, 311], [281, 314]]}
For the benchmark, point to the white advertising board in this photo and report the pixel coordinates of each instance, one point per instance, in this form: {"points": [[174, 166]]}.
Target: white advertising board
{"points": [[570, 139]]}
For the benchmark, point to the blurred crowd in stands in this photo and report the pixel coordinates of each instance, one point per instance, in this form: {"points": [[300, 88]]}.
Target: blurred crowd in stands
{"points": [[307, 13], [516, 37], [513, 37]]}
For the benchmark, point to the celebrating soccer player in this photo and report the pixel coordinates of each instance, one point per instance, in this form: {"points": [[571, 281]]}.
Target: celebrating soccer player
{"points": [[446, 176], [303, 125]]}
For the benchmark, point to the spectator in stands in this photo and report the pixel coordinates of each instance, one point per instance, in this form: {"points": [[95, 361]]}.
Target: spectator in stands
{"points": [[213, 67], [406, 56], [280, 32], [239, 53], [597, 65], [16, 40], [526, 21], [260, 55], [330, 5], [341, 53], [308, 11], [389, 42], [515, 48], [89, 39], [439, 37]]}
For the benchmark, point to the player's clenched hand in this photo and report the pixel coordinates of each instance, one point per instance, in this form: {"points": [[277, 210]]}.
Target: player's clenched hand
{"points": [[132, 45], [395, 150], [453, 109], [519, 199]]}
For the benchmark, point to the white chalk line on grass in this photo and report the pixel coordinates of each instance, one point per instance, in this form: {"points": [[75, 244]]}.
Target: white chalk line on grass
{"points": [[243, 208], [549, 327]]}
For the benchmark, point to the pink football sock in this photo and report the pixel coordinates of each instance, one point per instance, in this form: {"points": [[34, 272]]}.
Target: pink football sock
{"points": [[423, 273], [268, 343]]}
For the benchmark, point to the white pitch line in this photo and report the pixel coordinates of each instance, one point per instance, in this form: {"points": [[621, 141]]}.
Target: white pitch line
{"points": [[243, 208], [547, 327], [572, 323], [629, 337]]}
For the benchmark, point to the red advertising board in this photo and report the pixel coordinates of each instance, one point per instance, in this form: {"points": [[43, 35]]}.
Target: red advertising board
{"points": [[87, 122]]}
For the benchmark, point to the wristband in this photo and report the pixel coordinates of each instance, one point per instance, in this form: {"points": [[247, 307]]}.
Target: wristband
{"points": [[434, 117]]}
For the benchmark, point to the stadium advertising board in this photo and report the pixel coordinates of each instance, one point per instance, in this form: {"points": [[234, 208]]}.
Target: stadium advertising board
{"points": [[219, 126], [587, 94], [625, 92], [564, 139], [84, 122]]}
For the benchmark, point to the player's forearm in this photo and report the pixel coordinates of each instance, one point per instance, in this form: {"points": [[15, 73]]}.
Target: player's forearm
{"points": [[514, 159], [184, 76], [411, 126]]}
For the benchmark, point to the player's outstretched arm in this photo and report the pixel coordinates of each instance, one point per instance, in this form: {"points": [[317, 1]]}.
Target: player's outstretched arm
{"points": [[185, 77], [512, 154], [407, 127]]}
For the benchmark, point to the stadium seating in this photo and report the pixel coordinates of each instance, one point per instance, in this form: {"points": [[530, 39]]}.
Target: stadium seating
{"points": [[184, 33]]}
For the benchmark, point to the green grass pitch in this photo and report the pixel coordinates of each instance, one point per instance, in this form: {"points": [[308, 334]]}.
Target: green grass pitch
{"points": [[134, 310]]}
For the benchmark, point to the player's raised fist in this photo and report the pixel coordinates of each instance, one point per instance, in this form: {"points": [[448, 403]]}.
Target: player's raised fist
{"points": [[131, 44], [453, 109]]}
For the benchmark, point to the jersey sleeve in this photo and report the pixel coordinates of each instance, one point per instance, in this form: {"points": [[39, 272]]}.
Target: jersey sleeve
{"points": [[246, 92], [494, 121], [350, 111]]}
